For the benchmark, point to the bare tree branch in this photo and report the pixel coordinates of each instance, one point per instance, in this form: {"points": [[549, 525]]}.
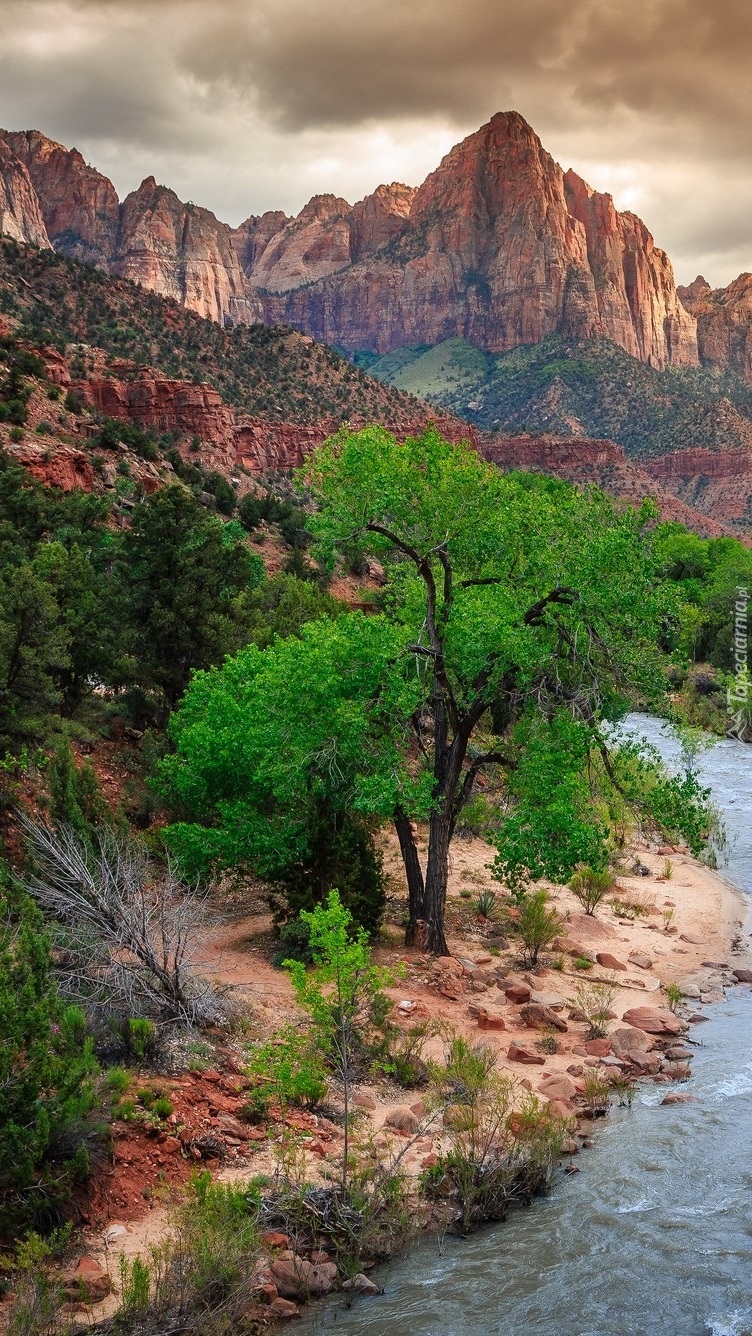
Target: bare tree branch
{"points": [[130, 938]]}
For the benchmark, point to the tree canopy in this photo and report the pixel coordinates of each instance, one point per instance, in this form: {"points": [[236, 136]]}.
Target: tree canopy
{"points": [[508, 601]]}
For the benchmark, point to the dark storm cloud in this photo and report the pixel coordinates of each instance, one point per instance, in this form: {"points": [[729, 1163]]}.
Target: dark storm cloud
{"points": [[252, 104]]}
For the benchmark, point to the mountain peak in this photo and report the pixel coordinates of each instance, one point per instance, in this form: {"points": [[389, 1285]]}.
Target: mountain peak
{"points": [[497, 246]]}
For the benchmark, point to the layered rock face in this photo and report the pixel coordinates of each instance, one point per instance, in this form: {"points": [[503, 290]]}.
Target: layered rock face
{"points": [[184, 252], [714, 482], [498, 246], [584, 461], [234, 438], [724, 322], [174, 249], [20, 214], [80, 206]]}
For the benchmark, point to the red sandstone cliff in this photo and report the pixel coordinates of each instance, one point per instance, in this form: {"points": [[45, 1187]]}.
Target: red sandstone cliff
{"points": [[724, 322], [20, 214], [80, 206], [497, 245], [603, 463], [184, 252], [234, 438], [502, 249]]}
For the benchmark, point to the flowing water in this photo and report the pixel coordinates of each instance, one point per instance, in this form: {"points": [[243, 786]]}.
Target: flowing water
{"points": [[654, 1236]]}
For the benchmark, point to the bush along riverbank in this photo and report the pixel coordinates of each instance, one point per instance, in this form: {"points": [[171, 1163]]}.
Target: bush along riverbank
{"points": [[401, 1095]]}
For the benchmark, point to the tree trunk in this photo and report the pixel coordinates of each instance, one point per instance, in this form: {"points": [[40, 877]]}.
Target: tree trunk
{"points": [[437, 876], [413, 872]]}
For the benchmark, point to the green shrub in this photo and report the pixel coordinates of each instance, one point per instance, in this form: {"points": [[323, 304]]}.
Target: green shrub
{"points": [[500, 1152], [117, 1080], [162, 1107], [538, 925], [202, 1277], [594, 1001], [590, 887], [142, 1037], [290, 1070], [46, 1073], [405, 1063]]}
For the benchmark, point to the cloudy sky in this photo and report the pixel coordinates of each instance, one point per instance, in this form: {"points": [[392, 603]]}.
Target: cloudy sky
{"points": [[248, 105]]}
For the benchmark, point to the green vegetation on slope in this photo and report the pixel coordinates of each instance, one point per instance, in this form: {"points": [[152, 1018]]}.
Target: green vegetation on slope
{"points": [[270, 372], [586, 388]]}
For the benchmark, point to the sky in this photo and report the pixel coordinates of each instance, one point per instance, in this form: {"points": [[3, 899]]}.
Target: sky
{"points": [[249, 105]]}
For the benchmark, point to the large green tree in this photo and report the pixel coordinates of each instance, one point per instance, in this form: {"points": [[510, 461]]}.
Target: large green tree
{"points": [[519, 597], [179, 583], [508, 599]]}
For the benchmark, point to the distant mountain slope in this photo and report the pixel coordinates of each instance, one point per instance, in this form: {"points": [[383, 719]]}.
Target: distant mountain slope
{"points": [[271, 373], [587, 388], [498, 245]]}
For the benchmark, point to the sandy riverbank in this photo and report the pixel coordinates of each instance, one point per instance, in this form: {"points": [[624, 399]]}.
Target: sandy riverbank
{"points": [[687, 929]]}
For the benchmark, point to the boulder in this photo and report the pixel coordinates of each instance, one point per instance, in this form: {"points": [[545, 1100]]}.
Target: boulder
{"points": [[691, 938], [273, 1239], [537, 1016], [653, 1021], [516, 1053], [679, 1097], [646, 1063], [486, 1021], [364, 1101], [554, 1000], [628, 1039], [558, 1087], [689, 989], [597, 1048], [449, 965], [518, 993], [586, 926], [284, 1310], [640, 959], [88, 1283], [402, 1120], [360, 1284], [297, 1278], [608, 961]]}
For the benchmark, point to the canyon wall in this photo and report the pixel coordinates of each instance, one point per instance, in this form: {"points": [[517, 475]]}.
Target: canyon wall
{"points": [[724, 322], [498, 246]]}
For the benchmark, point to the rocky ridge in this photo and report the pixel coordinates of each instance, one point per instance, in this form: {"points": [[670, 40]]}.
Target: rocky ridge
{"points": [[498, 246], [724, 322]]}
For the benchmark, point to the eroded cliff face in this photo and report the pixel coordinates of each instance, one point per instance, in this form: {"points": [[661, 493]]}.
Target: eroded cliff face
{"points": [[79, 205], [20, 214], [724, 322], [584, 461], [174, 249], [184, 252], [498, 246]]}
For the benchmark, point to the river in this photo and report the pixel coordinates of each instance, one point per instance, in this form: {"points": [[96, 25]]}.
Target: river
{"points": [[654, 1236]]}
